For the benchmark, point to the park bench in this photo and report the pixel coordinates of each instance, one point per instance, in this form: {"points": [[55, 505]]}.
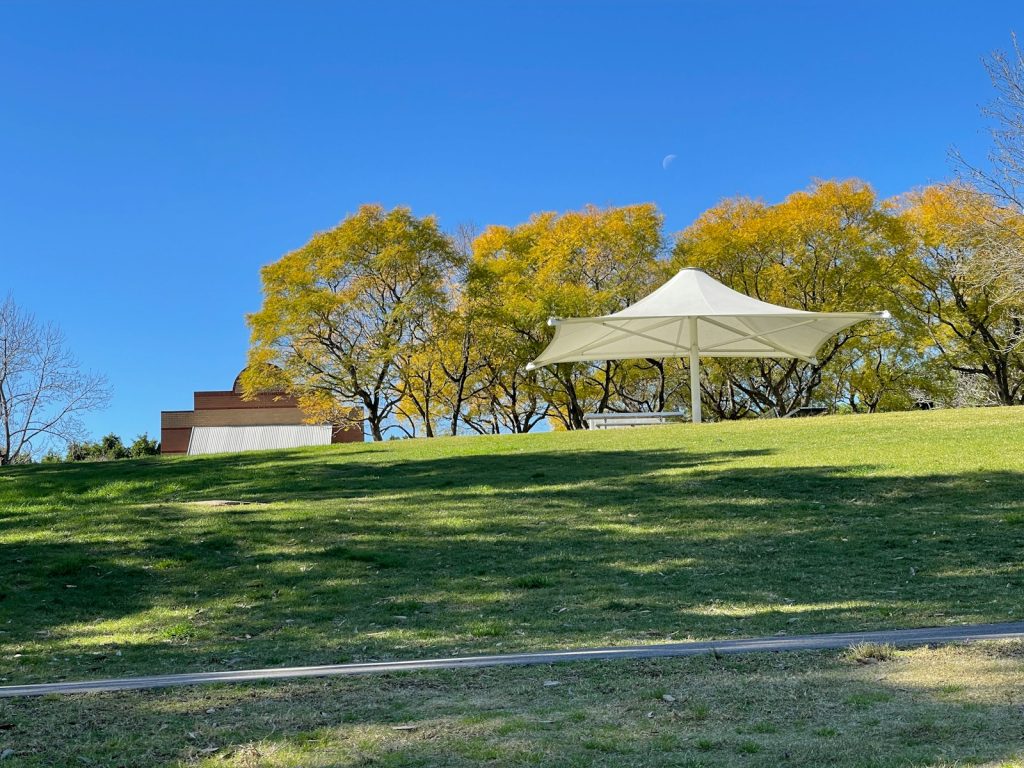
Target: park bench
{"points": [[612, 420], [807, 410]]}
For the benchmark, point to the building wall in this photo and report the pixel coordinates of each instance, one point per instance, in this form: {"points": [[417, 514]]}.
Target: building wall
{"points": [[247, 417], [350, 434], [174, 440], [176, 419], [209, 401], [228, 409]]}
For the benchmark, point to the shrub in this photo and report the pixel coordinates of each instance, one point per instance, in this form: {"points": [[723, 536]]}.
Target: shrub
{"points": [[143, 446]]}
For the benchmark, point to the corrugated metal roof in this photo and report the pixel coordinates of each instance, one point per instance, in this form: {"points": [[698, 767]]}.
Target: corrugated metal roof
{"points": [[235, 439]]}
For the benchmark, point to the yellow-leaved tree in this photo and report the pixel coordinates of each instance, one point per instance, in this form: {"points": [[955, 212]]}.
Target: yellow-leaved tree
{"points": [[587, 262], [342, 315], [834, 247], [972, 313]]}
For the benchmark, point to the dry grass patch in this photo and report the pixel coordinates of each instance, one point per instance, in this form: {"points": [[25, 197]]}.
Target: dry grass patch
{"points": [[955, 706], [871, 653]]}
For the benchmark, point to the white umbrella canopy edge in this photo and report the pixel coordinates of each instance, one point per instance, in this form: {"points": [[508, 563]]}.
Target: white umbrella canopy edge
{"points": [[694, 315]]}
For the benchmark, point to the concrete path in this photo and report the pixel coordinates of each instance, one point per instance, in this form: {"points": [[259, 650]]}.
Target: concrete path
{"points": [[902, 637]]}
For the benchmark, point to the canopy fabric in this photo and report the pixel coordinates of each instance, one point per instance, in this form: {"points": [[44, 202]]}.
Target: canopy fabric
{"points": [[692, 315], [728, 324]]}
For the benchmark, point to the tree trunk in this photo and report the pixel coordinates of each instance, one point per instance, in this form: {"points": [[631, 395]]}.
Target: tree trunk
{"points": [[373, 418], [375, 431], [460, 385], [574, 416]]}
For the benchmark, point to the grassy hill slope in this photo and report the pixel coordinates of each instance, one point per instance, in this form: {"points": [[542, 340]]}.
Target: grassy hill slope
{"points": [[417, 548]]}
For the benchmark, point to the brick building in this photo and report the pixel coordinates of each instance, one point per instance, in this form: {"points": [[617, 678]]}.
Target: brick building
{"points": [[222, 422]]}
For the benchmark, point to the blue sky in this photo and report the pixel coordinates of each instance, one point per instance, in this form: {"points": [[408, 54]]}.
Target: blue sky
{"points": [[154, 155]]}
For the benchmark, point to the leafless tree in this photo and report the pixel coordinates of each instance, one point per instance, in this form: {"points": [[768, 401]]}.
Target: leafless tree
{"points": [[973, 392], [1000, 262], [43, 389], [1003, 175]]}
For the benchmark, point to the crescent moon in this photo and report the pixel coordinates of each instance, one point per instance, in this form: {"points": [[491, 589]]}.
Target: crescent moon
{"points": [[667, 161]]}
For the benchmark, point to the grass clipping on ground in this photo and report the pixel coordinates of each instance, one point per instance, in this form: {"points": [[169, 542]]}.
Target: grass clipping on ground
{"points": [[954, 706]]}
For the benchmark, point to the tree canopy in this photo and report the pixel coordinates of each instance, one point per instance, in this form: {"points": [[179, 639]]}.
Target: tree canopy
{"points": [[429, 333], [342, 314]]}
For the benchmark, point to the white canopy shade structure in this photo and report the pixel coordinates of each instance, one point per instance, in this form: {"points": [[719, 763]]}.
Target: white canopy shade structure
{"points": [[694, 315]]}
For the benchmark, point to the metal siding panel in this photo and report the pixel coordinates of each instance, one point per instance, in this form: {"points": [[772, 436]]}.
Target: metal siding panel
{"points": [[262, 438]]}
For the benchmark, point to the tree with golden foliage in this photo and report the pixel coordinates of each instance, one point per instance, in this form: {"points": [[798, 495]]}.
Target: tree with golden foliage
{"points": [[973, 317], [344, 317], [387, 312], [831, 248], [587, 262]]}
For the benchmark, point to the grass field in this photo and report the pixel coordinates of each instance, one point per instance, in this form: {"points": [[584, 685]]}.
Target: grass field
{"points": [[416, 548], [450, 546]]}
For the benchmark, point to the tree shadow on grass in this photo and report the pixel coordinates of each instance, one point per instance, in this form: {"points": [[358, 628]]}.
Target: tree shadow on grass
{"points": [[281, 476], [124, 546], [480, 553]]}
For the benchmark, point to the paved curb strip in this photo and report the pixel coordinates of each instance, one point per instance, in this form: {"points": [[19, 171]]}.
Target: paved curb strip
{"points": [[902, 637]]}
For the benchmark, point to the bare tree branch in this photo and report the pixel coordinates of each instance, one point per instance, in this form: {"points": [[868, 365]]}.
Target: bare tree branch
{"points": [[42, 387]]}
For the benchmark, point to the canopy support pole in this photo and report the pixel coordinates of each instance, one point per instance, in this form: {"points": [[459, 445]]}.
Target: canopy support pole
{"points": [[694, 373]]}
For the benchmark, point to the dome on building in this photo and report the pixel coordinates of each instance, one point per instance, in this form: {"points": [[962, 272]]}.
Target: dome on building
{"points": [[237, 386]]}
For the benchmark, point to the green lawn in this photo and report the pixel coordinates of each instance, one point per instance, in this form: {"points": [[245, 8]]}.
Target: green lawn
{"points": [[449, 546], [422, 548]]}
